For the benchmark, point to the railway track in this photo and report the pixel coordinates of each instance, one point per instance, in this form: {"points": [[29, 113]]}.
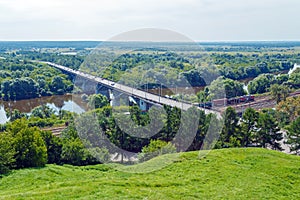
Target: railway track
{"points": [[259, 103]]}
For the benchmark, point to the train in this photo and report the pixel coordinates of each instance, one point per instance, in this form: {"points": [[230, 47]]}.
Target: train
{"points": [[226, 101]]}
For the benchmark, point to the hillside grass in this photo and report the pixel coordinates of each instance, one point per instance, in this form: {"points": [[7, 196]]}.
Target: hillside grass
{"points": [[221, 174]]}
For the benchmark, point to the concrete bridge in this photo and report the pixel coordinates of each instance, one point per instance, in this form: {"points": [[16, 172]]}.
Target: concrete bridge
{"points": [[146, 99]]}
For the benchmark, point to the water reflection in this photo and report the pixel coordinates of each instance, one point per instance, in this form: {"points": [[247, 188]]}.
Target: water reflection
{"points": [[296, 66], [57, 102], [3, 117]]}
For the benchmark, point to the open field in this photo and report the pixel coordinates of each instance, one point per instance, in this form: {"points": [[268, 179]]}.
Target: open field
{"points": [[222, 174]]}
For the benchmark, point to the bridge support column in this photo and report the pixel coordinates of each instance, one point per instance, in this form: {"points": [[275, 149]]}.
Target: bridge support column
{"points": [[102, 90]]}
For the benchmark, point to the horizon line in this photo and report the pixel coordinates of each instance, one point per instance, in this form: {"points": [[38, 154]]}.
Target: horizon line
{"points": [[208, 41]]}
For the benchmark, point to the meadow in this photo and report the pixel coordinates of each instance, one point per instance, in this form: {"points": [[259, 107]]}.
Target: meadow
{"points": [[221, 174]]}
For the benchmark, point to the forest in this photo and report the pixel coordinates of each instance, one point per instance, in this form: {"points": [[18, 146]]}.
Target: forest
{"points": [[25, 80]]}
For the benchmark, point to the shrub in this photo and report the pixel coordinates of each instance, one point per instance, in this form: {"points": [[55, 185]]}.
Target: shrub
{"points": [[156, 148]]}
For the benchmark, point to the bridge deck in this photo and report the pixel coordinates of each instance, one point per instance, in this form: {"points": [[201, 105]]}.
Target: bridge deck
{"points": [[131, 91]]}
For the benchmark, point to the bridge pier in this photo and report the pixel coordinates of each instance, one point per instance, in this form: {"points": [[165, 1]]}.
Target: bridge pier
{"points": [[100, 89]]}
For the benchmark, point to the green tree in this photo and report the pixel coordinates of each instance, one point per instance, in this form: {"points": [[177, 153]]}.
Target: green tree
{"points": [[42, 111], [203, 125], [7, 152], [290, 107], [294, 79], [248, 126], [268, 134], [222, 86], [29, 145], [279, 92], [261, 84], [230, 134], [57, 85], [97, 101], [73, 152], [5, 88], [79, 151], [293, 135], [23, 88], [54, 147]]}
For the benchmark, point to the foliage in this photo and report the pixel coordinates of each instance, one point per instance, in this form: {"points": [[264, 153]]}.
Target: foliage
{"points": [[156, 148], [261, 84], [249, 126], [269, 82], [223, 87], [293, 136], [16, 114], [30, 148], [279, 92], [7, 152], [290, 107], [54, 147], [42, 111], [24, 80], [230, 133], [97, 101], [294, 79], [269, 133], [241, 66], [75, 150]]}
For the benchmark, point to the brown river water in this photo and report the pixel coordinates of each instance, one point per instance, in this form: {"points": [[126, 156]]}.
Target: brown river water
{"points": [[66, 102]]}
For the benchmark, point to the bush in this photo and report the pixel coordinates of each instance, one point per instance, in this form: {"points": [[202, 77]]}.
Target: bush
{"points": [[73, 152], [156, 148], [54, 147], [29, 145]]}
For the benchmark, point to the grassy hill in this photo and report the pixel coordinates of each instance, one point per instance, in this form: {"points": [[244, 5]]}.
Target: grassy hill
{"points": [[222, 174]]}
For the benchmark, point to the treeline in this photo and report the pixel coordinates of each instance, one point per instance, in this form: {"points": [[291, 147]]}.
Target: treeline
{"points": [[263, 82], [193, 66], [71, 61], [25, 80], [241, 66], [30, 45], [139, 68]]}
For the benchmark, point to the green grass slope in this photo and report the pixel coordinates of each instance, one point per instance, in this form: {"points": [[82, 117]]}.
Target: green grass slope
{"points": [[222, 174]]}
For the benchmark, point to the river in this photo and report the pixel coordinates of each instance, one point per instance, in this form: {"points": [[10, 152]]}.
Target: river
{"points": [[296, 66], [73, 103], [247, 80], [66, 102]]}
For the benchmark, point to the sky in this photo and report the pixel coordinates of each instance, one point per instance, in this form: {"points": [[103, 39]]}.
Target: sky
{"points": [[199, 20]]}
